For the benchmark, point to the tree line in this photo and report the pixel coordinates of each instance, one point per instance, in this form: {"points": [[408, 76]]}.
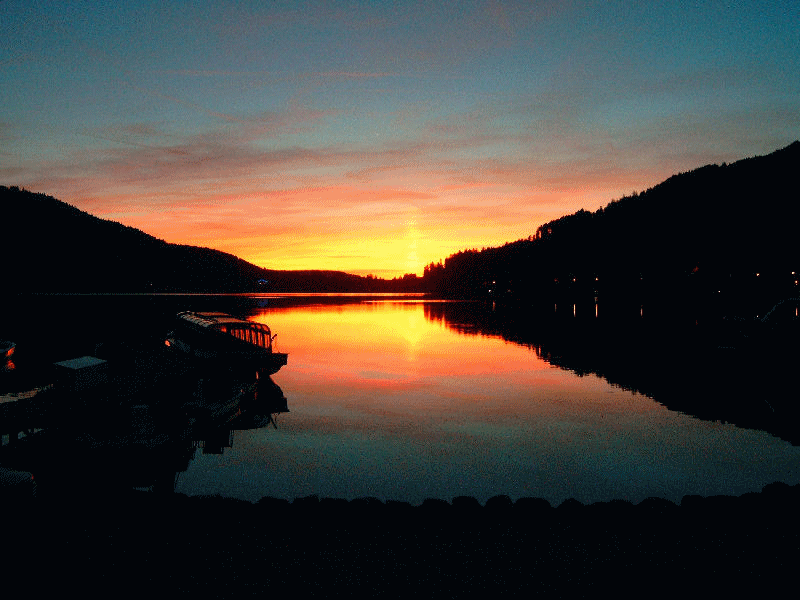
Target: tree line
{"points": [[721, 235], [718, 234]]}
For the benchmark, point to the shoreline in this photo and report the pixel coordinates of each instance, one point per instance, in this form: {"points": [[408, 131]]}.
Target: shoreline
{"points": [[225, 547]]}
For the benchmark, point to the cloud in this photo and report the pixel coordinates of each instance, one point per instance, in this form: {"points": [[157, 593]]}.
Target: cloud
{"points": [[458, 166]]}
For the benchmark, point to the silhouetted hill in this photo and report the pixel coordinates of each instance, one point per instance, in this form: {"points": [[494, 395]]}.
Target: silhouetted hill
{"points": [[720, 238], [707, 236], [52, 246]]}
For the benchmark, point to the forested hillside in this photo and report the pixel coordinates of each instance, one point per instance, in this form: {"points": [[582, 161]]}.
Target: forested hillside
{"points": [[51, 246], [724, 236], [727, 230]]}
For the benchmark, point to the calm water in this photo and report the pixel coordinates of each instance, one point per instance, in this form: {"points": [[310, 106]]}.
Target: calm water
{"points": [[402, 400]]}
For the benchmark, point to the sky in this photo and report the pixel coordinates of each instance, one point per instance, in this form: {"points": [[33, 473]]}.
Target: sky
{"points": [[378, 137]]}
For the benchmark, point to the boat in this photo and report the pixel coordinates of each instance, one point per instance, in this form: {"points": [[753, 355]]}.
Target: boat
{"points": [[7, 349], [227, 341]]}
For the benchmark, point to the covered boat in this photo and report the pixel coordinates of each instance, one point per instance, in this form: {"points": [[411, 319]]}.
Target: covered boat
{"points": [[227, 340]]}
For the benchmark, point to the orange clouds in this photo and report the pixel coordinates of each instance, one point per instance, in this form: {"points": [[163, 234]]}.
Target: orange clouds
{"points": [[305, 138]]}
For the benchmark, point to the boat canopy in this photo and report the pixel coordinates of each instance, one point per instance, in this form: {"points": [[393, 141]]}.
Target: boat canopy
{"points": [[257, 334]]}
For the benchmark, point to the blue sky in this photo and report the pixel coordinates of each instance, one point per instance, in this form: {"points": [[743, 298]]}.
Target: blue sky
{"points": [[380, 136]]}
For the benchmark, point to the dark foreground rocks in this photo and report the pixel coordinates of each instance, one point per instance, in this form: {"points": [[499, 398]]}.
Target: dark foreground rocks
{"points": [[217, 547]]}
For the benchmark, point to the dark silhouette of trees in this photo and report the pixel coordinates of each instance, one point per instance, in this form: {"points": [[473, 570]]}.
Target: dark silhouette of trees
{"points": [[721, 236], [52, 246]]}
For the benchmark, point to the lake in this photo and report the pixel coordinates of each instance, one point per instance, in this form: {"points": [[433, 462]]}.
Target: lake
{"points": [[403, 398]]}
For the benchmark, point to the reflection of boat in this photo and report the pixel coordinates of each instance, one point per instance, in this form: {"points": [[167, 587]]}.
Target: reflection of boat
{"points": [[221, 405], [216, 401], [257, 409], [227, 340], [141, 441], [6, 349]]}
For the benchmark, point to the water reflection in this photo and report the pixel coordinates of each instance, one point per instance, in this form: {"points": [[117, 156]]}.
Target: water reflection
{"points": [[678, 366], [414, 400], [114, 436]]}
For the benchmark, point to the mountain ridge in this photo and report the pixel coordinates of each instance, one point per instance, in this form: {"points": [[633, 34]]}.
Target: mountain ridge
{"points": [[715, 221], [696, 233], [56, 247]]}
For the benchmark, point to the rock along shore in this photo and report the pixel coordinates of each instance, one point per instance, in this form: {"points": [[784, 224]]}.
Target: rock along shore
{"points": [[220, 547]]}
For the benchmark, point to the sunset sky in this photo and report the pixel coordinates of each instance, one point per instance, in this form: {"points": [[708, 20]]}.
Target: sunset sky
{"points": [[377, 137]]}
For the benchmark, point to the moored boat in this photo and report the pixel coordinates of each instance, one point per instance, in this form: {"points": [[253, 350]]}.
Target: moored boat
{"points": [[227, 340]]}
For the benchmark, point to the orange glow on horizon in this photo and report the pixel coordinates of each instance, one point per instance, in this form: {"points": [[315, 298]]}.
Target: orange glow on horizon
{"points": [[384, 232]]}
